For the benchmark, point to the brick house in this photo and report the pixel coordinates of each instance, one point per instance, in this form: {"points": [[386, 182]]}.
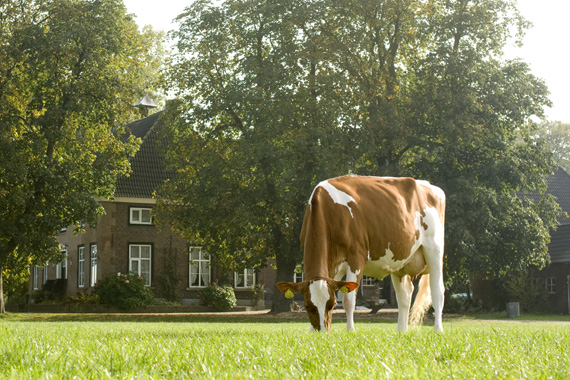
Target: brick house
{"points": [[555, 278], [126, 239]]}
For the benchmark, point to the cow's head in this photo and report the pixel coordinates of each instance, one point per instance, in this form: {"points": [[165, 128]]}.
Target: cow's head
{"points": [[319, 298]]}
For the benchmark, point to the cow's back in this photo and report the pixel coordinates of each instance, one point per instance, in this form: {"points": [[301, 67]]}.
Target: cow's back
{"points": [[355, 219]]}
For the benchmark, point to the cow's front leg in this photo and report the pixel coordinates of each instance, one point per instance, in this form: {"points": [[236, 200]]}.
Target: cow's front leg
{"points": [[349, 304], [404, 288], [349, 300]]}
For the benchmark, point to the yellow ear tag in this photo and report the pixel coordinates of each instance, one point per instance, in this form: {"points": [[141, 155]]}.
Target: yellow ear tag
{"points": [[289, 294], [343, 289]]}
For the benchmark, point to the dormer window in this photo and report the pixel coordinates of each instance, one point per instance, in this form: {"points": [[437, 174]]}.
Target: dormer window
{"points": [[140, 215]]}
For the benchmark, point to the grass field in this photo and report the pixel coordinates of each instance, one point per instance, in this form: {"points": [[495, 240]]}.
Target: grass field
{"points": [[98, 347]]}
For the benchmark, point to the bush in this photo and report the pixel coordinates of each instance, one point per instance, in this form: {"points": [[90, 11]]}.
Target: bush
{"points": [[84, 298], [124, 291], [220, 298], [521, 288]]}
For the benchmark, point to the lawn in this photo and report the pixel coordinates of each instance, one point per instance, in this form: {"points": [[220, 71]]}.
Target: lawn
{"points": [[98, 347]]}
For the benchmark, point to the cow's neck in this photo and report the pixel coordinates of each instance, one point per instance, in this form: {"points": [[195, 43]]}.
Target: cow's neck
{"points": [[316, 263]]}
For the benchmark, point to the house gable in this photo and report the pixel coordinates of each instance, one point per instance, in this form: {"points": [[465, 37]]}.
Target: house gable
{"points": [[147, 172]]}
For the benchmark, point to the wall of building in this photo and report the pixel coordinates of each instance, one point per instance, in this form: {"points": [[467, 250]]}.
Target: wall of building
{"points": [[559, 300], [114, 234]]}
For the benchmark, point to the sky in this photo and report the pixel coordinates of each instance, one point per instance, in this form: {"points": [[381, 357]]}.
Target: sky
{"points": [[546, 48]]}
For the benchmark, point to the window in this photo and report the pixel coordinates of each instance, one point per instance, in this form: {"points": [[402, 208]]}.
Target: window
{"points": [[93, 266], [550, 285], [244, 278], [80, 266], [139, 215], [199, 268], [299, 275], [368, 281], [45, 274], [140, 260], [61, 268], [35, 273]]}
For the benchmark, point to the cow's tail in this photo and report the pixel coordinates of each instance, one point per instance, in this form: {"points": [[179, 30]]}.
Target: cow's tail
{"points": [[422, 302]]}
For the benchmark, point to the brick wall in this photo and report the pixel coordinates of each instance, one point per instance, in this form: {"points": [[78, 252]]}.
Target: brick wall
{"points": [[114, 234]]}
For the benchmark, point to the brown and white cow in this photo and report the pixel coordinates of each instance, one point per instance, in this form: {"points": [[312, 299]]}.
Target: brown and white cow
{"points": [[374, 226]]}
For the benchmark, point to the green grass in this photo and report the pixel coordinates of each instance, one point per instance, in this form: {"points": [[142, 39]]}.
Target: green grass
{"points": [[34, 346]]}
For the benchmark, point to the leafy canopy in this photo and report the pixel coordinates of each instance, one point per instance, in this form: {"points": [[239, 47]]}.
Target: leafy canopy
{"points": [[70, 71], [276, 96]]}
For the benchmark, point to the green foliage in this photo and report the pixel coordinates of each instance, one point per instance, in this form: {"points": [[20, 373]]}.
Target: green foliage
{"points": [[521, 287], [220, 298], [124, 291], [257, 292], [276, 96], [69, 74], [16, 286], [557, 135], [84, 298], [169, 279]]}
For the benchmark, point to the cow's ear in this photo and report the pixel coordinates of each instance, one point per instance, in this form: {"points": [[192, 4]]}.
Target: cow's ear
{"points": [[345, 286], [289, 288]]}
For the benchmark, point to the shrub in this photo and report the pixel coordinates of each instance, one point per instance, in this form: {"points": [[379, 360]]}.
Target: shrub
{"points": [[84, 298], [124, 291], [521, 287], [220, 298], [257, 293]]}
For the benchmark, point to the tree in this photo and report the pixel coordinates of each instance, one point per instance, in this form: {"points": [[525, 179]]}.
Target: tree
{"points": [[557, 135], [278, 95], [69, 72], [251, 134], [433, 99]]}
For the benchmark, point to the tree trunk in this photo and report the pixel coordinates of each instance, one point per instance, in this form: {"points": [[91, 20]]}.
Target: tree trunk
{"points": [[285, 270], [2, 307]]}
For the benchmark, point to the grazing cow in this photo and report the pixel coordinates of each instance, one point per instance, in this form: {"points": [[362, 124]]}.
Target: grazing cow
{"points": [[374, 226]]}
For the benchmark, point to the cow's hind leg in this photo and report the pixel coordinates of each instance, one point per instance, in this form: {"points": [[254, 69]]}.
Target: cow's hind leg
{"points": [[434, 261], [404, 288]]}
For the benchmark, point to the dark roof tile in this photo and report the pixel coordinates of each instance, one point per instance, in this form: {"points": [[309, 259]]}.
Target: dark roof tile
{"points": [[147, 172]]}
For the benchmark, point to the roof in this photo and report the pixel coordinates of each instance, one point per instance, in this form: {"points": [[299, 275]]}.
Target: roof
{"points": [[559, 187], [559, 247], [147, 172]]}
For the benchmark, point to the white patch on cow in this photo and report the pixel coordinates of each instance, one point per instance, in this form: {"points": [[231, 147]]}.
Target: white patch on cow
{"points": [[435, 229], [430, 233], [384, 265], [338, 196], [436, 190], [352, 275], [340, 270], [319, 291]]}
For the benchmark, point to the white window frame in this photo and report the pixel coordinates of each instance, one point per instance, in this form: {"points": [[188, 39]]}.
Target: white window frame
{"points": [[93, 265], [136, 215], [298, 275], [81, 266], [45, 274], [550, 285], [197, 259], [248, 276], [368, 281], [136, 252], [61, 267]]}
